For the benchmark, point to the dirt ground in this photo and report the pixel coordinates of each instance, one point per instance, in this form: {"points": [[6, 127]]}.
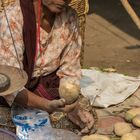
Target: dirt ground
{"points": [[111, 38]]}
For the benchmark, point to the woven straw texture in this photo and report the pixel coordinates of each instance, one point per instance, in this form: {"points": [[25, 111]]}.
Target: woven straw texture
{"points": [[81, 7], [5, 3]]}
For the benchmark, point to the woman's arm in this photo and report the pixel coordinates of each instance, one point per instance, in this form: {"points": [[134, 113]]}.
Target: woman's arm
{"points": [[26, 98]]}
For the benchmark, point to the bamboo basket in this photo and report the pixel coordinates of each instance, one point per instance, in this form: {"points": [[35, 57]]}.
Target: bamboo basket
{"points": [[5, 3], [81, 7]]}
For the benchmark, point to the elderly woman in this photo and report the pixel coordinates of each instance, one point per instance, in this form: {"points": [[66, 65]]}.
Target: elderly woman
{"points": [[49, 53]]}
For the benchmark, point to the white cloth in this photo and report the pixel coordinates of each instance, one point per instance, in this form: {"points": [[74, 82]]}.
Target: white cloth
{"points": [[105, 89]]}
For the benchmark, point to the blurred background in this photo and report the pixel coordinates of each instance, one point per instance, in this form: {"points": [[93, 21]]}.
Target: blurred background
{"points": [[111, 38]]}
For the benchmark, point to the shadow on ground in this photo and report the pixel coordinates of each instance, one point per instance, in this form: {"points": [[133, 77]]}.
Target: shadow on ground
{"points": [[113, 11]]}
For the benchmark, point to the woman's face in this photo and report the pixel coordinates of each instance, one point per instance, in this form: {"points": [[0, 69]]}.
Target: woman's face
{"points": [[56, 6]]}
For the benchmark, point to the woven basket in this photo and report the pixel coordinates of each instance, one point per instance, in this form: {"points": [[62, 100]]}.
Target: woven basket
{"points": [[81, 7], [5, 3]]}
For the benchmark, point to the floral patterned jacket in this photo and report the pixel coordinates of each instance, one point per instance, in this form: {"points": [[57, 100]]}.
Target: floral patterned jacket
{"points": [[60, 48]]}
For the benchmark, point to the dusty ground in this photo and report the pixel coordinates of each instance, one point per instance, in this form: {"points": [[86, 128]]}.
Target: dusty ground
{"points": [[112, 39]]}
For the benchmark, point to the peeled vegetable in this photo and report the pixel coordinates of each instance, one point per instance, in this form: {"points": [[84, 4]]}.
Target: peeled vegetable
{"points": [[136, 120], [136, 133], [131, 114], [95, 137], [122, 128], [128, 136], [69, 91], [86, 138]]}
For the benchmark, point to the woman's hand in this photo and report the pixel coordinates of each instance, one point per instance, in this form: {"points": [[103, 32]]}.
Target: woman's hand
{"points": [[59, 105]]}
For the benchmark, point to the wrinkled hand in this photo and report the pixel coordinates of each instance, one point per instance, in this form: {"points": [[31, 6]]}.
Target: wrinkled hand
{"points": [[83, 119], [59, 105], [78, 116]]}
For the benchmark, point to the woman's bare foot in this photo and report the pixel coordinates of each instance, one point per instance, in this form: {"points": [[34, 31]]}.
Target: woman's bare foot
{"points": [[83, 119]]}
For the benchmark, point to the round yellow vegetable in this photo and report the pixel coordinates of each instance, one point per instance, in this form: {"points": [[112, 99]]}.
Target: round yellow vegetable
{"points": [[122, 128], [69, 91], [136, 133], [128, 136], [95, 137], [86, 138], [131, 114], [136, 120]]}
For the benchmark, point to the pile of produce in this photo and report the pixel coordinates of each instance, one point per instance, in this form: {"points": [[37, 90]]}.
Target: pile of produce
{"points": [[95, 137], [128, 130]]}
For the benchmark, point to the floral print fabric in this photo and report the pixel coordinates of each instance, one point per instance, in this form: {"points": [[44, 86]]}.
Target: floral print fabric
{"points": [[60, 48]]}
